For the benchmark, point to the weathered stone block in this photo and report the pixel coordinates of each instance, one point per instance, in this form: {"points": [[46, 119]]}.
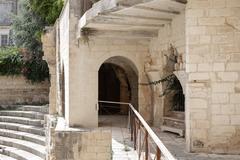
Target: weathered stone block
{"points": [[228, 76], [197, 103], [211, 21], [220, 98], [235, 120], [233, 66], [223, 87], [203, 67], [233, 3], [220, 120], [198, 76], [235, 98], [218, 66]]}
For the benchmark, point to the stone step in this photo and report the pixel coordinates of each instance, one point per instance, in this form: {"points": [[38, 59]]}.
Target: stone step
{"points": [[23, 136], [174, 119], [42, 109], [23, 128], [4, 157], [27, 114], [179, 131], [18, 154], [22, 120], [30, 147]]}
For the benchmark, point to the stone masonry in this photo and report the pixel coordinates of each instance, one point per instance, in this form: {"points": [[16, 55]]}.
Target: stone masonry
{"points": [[17, 90], [213, 64], [206, 34]]}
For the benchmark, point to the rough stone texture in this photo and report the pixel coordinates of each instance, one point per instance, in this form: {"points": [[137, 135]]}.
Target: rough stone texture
{"points": [[49, 48], [76, 144], [207, 37], [85, 59], [18, 90], [171, 34], [212, 29]]}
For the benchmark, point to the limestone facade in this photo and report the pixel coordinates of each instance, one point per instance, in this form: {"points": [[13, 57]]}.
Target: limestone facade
{"points": [[212, 57], [206, 36]]}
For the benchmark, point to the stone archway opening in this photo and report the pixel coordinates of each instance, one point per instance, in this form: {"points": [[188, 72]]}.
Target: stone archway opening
{"points": [[113, 86], [174, 107], [117, 82]]}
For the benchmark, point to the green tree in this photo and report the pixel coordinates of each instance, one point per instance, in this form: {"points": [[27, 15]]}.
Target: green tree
{"points": [[49, 10], [27, 29]]}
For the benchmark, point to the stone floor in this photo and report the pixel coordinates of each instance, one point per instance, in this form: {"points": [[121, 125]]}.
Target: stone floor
{"points": [[176, 146], [123, 147]]}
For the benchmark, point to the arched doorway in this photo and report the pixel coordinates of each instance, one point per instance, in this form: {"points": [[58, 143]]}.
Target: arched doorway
{"points": [[174, 107], [117, 82]]}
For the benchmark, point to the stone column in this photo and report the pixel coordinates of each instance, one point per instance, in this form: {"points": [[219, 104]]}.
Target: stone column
{"points": [[49, 48]]}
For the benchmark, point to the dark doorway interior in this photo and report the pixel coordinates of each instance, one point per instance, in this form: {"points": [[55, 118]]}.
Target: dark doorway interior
{"points": [[113, 86]]}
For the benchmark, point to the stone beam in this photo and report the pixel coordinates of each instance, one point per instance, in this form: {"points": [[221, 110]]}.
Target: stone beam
{"points": [[123, 14], [123, 34], [171, 12]]}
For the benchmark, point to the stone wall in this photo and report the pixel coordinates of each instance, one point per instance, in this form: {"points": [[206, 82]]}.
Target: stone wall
{"points": [[171, 34], [17, 90], [85, 58], [64, 143], [213, 64], [49, 48]]}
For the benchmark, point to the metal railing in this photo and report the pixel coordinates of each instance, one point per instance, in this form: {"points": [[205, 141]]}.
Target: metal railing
{"points": [[145, 141]]}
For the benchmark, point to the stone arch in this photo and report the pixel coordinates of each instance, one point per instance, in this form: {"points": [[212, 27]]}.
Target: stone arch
{"points": [[174, 107], [131, 72]]}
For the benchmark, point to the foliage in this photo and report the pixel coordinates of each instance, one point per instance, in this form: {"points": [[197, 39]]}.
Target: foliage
{"points": [[10, 61], [27, 28], [36, 70], [6, 51], [48, 10]]}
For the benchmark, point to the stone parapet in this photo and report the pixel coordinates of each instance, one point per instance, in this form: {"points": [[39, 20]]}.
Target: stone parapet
{"points": [[76, 143]]}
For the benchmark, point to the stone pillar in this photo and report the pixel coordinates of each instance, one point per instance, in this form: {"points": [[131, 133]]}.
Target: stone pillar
{"points": [[213, 66], [49, 48]]}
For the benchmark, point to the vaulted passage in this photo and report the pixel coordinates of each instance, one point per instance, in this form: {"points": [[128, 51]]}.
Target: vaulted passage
{"points": [[117, 83], [113, 86]]}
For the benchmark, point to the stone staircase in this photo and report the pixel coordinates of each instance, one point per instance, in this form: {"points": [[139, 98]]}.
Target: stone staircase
{"points": [[22, 133]]}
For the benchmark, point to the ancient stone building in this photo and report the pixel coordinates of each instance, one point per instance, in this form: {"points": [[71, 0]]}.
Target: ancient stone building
{"points": [[133, 45]]}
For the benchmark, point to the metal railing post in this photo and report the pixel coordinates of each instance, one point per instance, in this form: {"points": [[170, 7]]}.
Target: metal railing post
{"points": [[135, 133], [146, 145], [158, 154], [131, 117], [136, 122]]}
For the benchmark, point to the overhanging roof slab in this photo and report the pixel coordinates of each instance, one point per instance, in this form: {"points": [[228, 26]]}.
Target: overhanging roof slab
{"points": [[131, 15]]}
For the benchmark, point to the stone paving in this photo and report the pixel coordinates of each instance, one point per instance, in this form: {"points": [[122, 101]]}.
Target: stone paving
{"points": [[123, 147], [176, 145]]}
